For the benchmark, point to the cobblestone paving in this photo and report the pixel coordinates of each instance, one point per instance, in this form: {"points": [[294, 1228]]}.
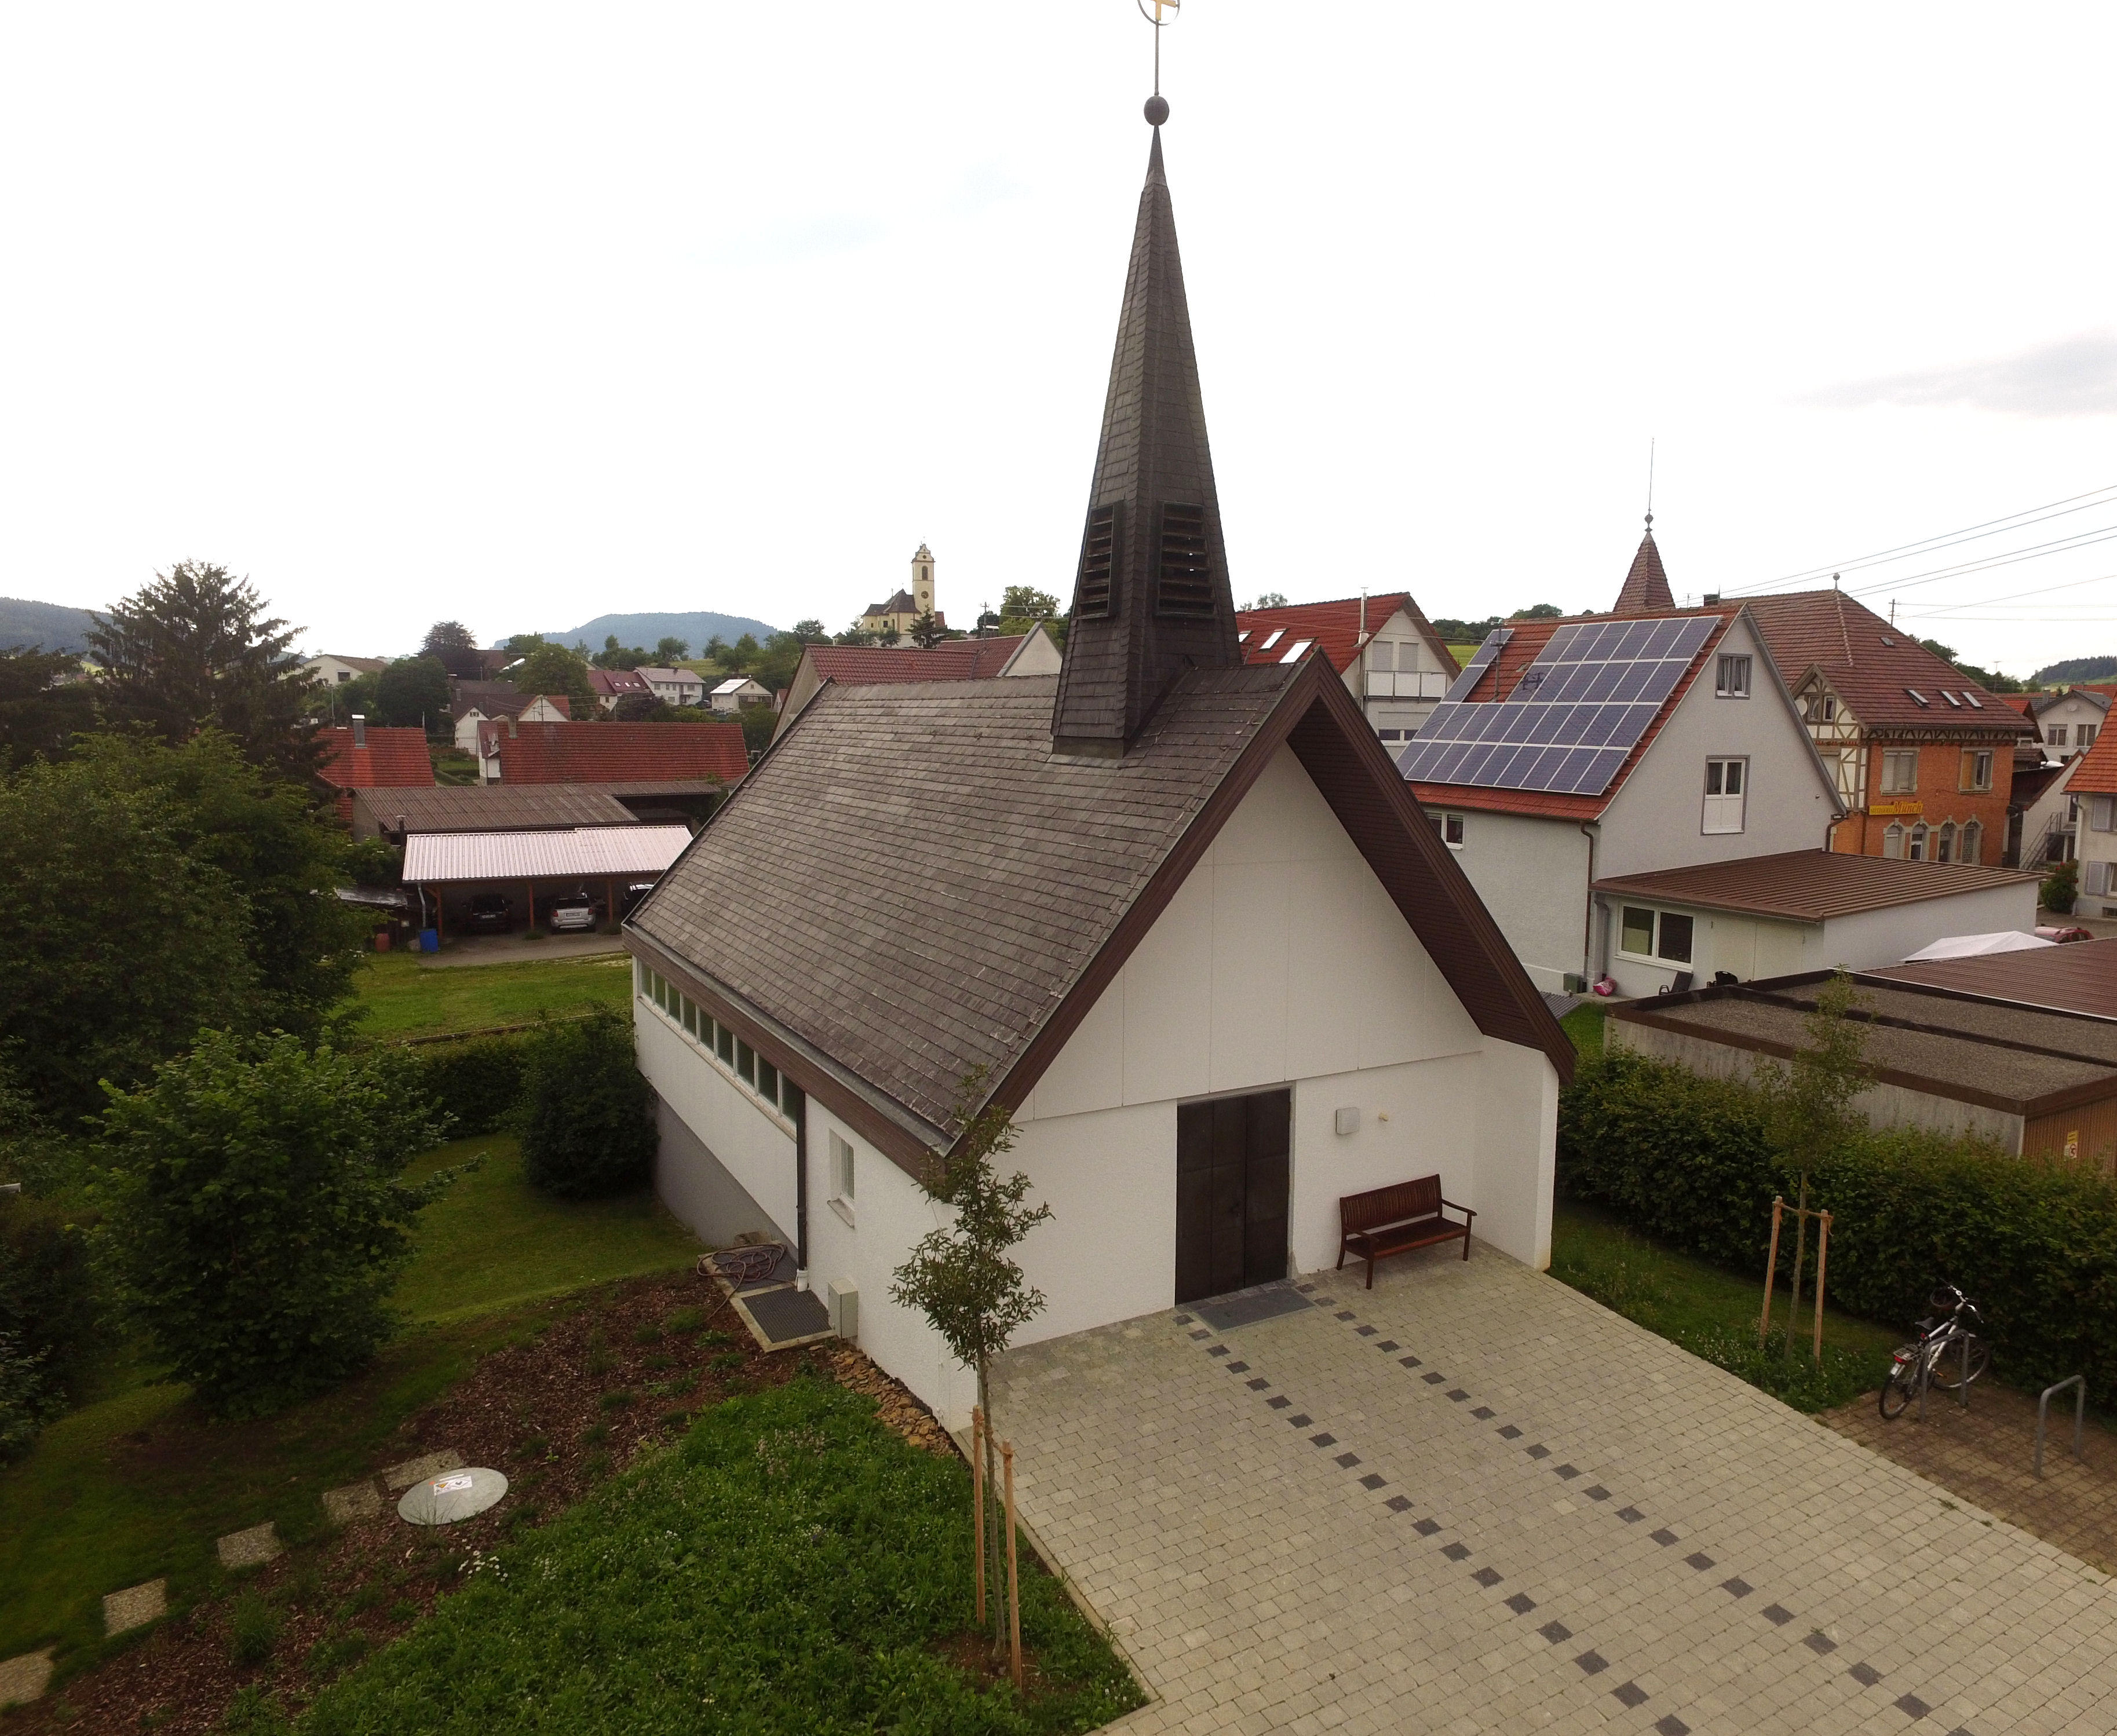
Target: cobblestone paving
{"points": [[1472, 1501]]}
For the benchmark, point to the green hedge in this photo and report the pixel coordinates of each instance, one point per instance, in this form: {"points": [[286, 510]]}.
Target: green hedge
{"points": [[1684, 1159], [478, 1081]]}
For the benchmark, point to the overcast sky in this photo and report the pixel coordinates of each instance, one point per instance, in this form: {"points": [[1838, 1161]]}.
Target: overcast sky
{"points": [[520, 314]]}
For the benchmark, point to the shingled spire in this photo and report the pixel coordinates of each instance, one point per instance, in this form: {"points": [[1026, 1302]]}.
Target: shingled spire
{"points": [[1151, 594], [1646, 587]]}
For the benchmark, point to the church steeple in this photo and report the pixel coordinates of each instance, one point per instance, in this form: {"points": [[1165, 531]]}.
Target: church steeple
{"points": [[1150, 593], [1646, 587]]}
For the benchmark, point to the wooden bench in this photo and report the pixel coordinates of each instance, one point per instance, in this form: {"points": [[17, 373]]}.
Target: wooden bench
{"points": [[1397, 1218]]}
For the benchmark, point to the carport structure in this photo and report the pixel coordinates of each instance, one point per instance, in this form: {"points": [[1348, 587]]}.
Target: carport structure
{"points": [[561, 860]]}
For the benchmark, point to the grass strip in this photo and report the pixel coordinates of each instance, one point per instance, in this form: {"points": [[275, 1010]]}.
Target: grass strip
{"points": [[790, 1567], [399, 996]]}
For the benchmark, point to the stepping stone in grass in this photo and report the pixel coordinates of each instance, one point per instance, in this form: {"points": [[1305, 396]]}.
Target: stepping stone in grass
{"points": [[254, 1547], [418, 1470], [136, 1606], [355, 1501], [22, 1677]]}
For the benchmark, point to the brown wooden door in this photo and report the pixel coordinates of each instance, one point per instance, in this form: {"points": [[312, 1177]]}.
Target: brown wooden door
{"points": [[1232, 1168]]}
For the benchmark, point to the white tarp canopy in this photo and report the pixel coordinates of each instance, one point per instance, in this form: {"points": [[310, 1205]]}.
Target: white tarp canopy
{"points": [[584, 853], [1964, 946]]}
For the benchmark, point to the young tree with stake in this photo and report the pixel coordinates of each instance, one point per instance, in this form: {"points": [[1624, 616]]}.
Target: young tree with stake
{"points": [[961, 1277]]}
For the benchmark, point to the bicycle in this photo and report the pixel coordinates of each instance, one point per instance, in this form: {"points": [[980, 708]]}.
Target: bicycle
{"points": [[1948, 1354]]}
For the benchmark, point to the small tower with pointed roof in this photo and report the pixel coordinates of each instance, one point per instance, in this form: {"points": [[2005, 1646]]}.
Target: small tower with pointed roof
{"points": [[1150, 593], [1646, 587]]}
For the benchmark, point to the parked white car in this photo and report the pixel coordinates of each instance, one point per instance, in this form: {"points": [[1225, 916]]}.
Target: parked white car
{"points": [[576, 914]]}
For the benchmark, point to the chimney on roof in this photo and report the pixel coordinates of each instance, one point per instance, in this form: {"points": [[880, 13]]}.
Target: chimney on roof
{"points": [[359, 730], [1151, 594]]}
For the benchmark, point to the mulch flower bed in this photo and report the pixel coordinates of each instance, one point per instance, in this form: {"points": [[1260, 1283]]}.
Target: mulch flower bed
{"points": [[597, 1381]]}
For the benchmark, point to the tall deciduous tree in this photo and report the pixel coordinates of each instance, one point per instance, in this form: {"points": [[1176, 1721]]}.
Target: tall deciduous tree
{"points": [[552, 668], [961, 1276], [413, 693], [195, 649], [450, 644], [37, 718], [255, 1217]]}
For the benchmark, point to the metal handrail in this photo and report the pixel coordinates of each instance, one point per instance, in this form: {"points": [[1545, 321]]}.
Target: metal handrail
{"points": [[2079, 1382]]}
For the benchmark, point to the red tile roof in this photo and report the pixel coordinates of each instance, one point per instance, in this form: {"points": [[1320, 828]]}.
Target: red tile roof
{"points": [[952, 660], [614, 753], [1874, 667], [2097, 772], [1645, 589], [392, 759], [1334, 625], [1498, 682], [615, 683]]}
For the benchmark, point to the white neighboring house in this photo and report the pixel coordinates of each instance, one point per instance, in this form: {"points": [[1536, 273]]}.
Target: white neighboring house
{"points": [[2094, 789], [736, 692], [675, 686], [1391, 658], [1180, 916], [333, 670], [1725, 769], [2069, 722], [481, 702]]}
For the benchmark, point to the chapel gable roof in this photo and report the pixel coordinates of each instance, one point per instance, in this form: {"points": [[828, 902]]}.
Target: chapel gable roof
{"points": [[911, 885], [952, 660]]}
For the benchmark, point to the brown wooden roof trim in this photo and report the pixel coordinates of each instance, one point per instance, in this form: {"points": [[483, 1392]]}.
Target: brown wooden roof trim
{"points": [[898, 1140], [2095, 1091], [1318, 718]]}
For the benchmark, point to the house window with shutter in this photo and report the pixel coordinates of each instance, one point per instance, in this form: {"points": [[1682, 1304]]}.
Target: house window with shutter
{"points": [[1977, 769], [1893, 841], [1971, 846], [2094, 879], [2056, 733], [1724, 794], [1183, 581], [1900, 771]]}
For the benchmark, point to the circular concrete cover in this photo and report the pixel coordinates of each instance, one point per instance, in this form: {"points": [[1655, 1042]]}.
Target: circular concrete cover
{"points": [[453, 1495]]}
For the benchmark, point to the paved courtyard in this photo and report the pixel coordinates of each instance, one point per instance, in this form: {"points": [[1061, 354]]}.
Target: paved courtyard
{"points": [[1472, 1501]]}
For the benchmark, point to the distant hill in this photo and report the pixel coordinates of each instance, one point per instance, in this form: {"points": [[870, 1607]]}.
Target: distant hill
{"points": [[2076, 669], [693, 628], [50, 626]]}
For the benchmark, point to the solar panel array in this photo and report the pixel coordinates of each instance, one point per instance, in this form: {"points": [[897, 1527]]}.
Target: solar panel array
{"points": [[1578, 709], [1495, 641]]}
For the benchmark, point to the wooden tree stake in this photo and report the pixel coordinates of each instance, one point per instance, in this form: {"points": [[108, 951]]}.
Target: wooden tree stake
{"points": [[1013, 1585], [1822, 1260], [978, 1500], [1771, 1270]]}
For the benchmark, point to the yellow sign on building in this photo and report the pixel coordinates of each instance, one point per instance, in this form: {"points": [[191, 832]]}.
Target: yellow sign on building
{"points": [[1896, 807]]}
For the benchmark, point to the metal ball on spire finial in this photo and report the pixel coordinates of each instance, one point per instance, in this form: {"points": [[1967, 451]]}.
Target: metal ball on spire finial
{"points": [[1157, 109], [1649, 521]]}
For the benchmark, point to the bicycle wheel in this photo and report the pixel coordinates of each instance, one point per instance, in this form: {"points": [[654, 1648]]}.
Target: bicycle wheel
{"points": [[1900, 1389], [1948, 1371]]}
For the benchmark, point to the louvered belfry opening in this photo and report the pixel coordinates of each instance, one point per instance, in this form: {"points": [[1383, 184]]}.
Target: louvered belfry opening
{"points": [[1151, 595], [1184, 584], [1095, 586]]}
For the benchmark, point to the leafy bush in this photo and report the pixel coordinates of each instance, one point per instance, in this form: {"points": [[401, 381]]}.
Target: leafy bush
{"points": [[478, 1084], [2060, 887], [588, 1114], [48, 1295], [374, 861], [642, 1609], [256, 1220], [1687, 1160], [25, 1398]]}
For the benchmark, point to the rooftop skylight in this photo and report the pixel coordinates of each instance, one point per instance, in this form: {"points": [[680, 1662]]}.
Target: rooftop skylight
{"points": [[1294, 651], [1918, 696], [1277, 634]]}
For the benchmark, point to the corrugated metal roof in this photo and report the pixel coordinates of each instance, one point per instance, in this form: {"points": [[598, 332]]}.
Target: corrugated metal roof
{"points": [[433, 858], [1811, 886]]}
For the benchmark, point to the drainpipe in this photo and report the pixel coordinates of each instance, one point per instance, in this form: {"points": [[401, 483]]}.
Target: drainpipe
{"points": [[801, 1193], [1590, 830]]}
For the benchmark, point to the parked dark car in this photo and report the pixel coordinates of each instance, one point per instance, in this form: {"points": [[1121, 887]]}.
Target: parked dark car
{"points": [[634, 893], [490, 913]]}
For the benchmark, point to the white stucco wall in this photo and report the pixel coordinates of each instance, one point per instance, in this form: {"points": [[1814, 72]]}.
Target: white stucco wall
{"points": [[754, 1146], [1280, 962], [1532, 874], [1878, 937], [1656, 818]]}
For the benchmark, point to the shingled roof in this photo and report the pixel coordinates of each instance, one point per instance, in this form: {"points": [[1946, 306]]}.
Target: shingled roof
{"points": [[1645, 589], [952, 660], [619, 752], [1036, 874]]}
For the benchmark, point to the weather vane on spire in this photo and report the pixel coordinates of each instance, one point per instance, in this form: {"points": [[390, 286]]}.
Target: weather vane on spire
{"points": [[1157, 107]]}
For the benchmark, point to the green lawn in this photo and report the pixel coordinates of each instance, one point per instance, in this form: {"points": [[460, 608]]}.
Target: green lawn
{"points": [[1583, 1025], [793, 1567], [400, 997], [1712, 1312], [137, 1483]]}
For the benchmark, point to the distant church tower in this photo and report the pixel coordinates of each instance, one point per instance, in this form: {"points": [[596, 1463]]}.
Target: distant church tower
{"points": [[922, 581]]}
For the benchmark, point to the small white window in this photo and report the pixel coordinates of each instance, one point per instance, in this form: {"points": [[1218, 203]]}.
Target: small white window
{"points": [[1921, 698], [2087, 735], [2101, 813], [1893, 841], [1900, 771], [1451, 831], [1296, 650], [1381, 654], [1276, 634], [1977, 770], [1921, 844], [1944, 842], [1970, 845], [1635, 932], [2056, 735], [842, 1177], [1243, 635], [1724, 795], [2094, 879], [1734, 682]]}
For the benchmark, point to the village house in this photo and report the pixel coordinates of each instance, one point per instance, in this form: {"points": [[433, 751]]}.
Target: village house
{"points": [[1031, 653], [893, 618], [1178, 913], [2093, 795], [475, 702], [738, 691], [361, 756], [685, 765], [675, 686], [1390, 658], [611, 685], [333, 670], [2067, 722]]}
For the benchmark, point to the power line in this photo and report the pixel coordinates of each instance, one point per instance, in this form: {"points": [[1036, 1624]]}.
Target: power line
{"points": [[1928, 545], [2037, 551]]}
